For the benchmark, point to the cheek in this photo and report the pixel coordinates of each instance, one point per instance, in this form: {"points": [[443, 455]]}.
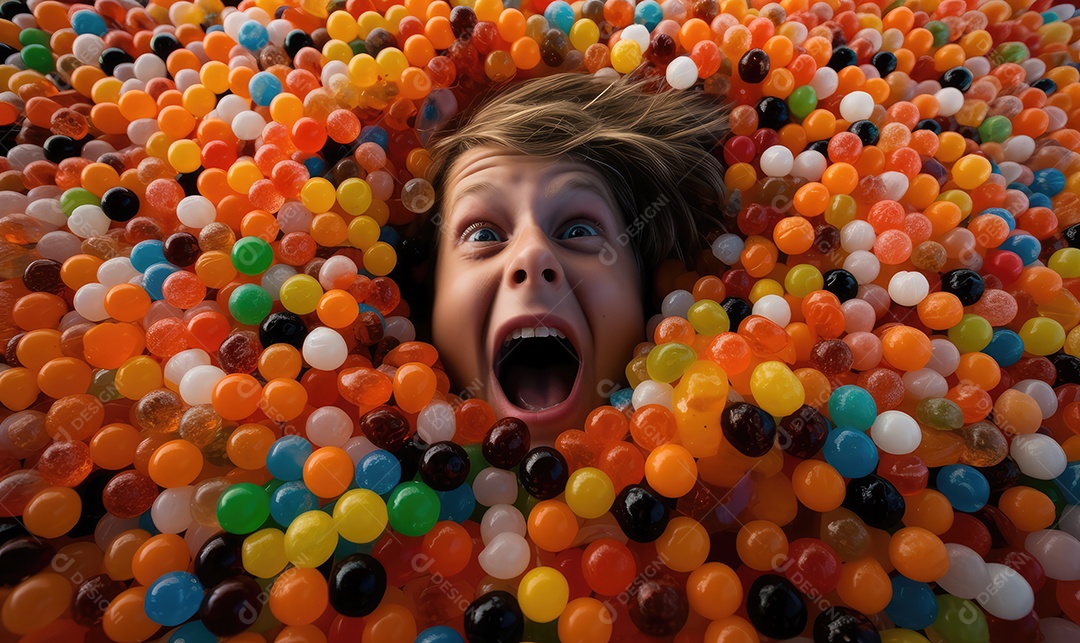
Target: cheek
{"points": [[611, 299]]}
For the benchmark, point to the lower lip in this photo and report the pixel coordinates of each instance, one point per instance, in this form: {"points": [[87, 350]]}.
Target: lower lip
{"points": [[560, 412]]}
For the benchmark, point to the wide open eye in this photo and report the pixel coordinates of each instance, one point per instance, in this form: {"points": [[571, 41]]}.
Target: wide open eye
{"points": [[580, 229], [482, 233]]}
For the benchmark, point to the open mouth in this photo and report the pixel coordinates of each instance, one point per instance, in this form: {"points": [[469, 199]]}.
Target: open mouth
{"points": [[537, 367]]}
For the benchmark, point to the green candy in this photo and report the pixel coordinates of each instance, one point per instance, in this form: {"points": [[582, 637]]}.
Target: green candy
{"points": [[667, 362], [249, 304], [75, 197], [996, 129], [940, 30], [803, 101], [940, 413], [38, 58], [252, 255], [33, 37], [243, 508], [959, 621], [1010, 52], [413, 508]]}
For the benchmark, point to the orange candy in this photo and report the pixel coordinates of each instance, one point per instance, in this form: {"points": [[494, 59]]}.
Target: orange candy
{"points": [[762, 545], [552, 525], [918, 554]]}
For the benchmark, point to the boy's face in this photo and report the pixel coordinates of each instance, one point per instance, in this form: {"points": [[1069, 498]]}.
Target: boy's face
{"points": [[536, 301]]}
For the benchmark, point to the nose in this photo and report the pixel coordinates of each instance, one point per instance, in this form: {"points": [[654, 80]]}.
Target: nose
{"points": [[534, 264]]}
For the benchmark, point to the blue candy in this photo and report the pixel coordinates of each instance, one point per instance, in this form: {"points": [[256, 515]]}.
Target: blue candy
{"points": [[173, 598], [853, 407], [965, 487], [852, 453], [378, 471], [285, 459]]}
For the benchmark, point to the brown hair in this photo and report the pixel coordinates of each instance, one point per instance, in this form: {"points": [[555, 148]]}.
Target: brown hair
{"points": [[653, 146]]}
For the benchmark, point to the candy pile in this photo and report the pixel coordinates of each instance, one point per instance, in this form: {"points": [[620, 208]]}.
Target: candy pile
{"points": [[856, 420]]}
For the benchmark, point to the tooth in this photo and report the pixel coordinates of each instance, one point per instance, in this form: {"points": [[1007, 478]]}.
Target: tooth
{"points": [[526, 333], [558, 333], [543, 331], [515, 334]]}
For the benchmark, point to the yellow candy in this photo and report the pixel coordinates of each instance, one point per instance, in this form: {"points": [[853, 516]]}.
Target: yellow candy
{"points": [[354, 195], [776, 389], [263, 553], [300, 294], [625, 56], [1066, 262], [589, 493], [697, 402], [184, 156], [380, 258], [360, 515], [138, 376], [317, 195], [543, 594], [311, 539]]}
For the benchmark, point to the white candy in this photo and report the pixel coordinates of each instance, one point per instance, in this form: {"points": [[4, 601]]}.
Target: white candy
{"points": [[400, 328], [88, 221], [325, 349], [248, 125], [682, 72], [777, 161], [1009, 595], [925, 383], [857, 235], [274, 277], [171, 511], [967, 575], [950, 100], [196, 211], [727, 248], [944, 356], [116, 271], [197, 385], [896, 432], [89, 301], [677, 303], [506, 556], [329, 426], [436, 422], [652, 392], [825, 82], [864, 266], [494, 486], [775, 308], [1038, 456], [856, 106], [181, 363], [908, 288], [334, 268], [501, 519], [809, 165]]}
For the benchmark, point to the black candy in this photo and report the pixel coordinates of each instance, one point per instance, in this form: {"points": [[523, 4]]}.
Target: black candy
{"points": [[357, 584], [775, 607], [641, 513], [495, 617], [876, 501]]}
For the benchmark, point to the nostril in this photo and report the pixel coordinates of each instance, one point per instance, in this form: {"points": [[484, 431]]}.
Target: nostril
{"points": [[549, 275], [519, 276]]}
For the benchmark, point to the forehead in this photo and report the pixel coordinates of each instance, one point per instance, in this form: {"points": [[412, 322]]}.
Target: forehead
{"points": [[495, 170]]}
